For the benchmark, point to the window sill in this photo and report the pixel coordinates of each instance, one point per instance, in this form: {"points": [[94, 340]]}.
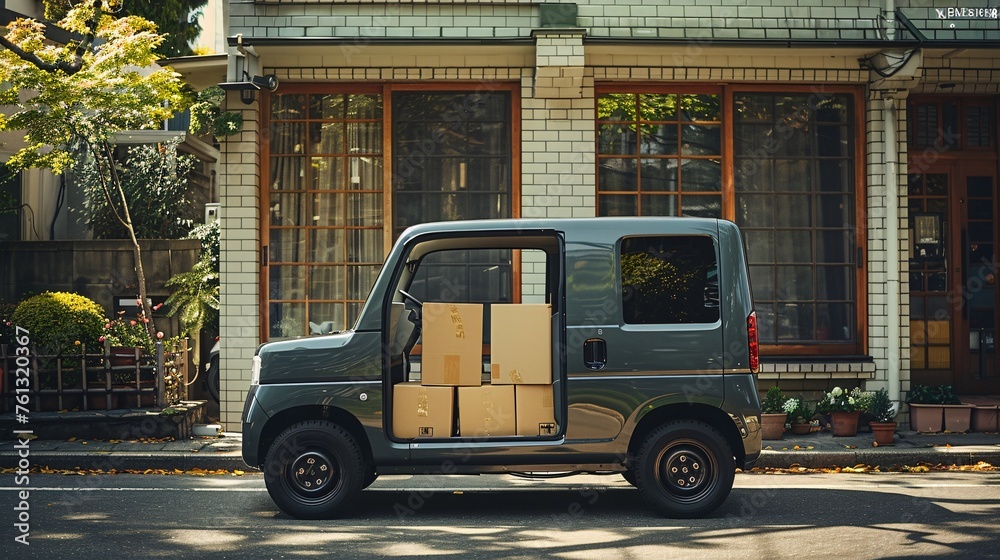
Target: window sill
{"points": [[832, 367]]}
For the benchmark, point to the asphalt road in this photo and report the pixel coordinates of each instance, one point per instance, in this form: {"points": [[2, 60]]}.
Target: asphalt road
{"points": [[490, 517]]}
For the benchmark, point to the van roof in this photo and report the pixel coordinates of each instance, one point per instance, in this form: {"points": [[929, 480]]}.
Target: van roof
{"points": [[632, 224]]}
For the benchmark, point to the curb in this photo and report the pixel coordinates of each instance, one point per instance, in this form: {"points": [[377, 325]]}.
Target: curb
{"points": [[131, 461], [962, 455]]}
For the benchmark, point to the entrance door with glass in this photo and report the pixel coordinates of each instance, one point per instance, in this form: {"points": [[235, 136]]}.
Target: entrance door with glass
{"points": [[953, 276]]}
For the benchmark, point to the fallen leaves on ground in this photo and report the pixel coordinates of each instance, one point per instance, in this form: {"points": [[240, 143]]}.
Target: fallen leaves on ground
{"points": [[85, 472], [981, 466], [144, 440]]}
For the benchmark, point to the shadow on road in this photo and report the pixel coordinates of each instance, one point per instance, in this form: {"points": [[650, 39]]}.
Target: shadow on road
{"points": [[587, 523]]}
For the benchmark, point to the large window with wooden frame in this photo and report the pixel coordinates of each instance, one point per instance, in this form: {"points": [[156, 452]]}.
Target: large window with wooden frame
{"points": [[950, 123], [795, 169], [444, 155], [324, 209], [784, 165], [659, 154], [452, 161]]}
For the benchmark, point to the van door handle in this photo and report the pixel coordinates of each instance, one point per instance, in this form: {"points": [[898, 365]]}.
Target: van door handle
{"points": [[595, 353]]}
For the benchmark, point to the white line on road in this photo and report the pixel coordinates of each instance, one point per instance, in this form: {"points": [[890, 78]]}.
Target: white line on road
{"points": [[483, 489], [125, 489]]}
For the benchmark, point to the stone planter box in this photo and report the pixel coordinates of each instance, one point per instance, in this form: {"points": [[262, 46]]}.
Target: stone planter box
{"points": [[926, 418], [957, 417], [986, 418]]}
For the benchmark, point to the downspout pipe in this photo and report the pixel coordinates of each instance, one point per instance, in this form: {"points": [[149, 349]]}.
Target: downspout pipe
{"points": [[892, 287], [889, 19]]}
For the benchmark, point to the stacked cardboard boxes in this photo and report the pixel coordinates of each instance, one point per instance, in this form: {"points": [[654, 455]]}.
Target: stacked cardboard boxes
{"points": [[452, 344], [420, 411], [486, 411], [519, 398], [521, 355], [452, 357]]}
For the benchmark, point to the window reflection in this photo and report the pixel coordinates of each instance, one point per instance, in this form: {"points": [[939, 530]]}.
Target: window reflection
{"points": [[650, 144]]}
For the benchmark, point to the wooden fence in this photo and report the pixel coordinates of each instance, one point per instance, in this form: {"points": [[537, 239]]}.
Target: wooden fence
{"points": [[115, 378]]}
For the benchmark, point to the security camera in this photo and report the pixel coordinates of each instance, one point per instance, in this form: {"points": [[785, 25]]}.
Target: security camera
{"points": [[268, 82]]}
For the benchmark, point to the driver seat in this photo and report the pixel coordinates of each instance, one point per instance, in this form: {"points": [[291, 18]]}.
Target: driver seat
{"points": [[404, 330]]}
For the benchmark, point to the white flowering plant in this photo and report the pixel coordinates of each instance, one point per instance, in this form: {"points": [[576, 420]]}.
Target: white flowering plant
{"points": [[841, 400], [797, 411]]}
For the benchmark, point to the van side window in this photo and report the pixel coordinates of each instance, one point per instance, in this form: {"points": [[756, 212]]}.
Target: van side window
{"points": [[669, 280]]}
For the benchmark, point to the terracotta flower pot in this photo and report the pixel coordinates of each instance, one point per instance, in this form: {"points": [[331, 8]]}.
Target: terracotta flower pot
{"points": [[926, 418], [844, 423], [985, 418], [801, 428], [772, 426], [121, 356], [884, 432], [957, 417]]}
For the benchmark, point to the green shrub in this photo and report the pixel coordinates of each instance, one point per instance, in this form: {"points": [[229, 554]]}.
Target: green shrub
{"points": [[57, 321], [938, 394], [774, 401], [881, 406]]}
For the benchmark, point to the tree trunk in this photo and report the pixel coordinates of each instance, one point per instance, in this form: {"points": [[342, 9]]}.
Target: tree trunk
{"points": [[126, 219]]}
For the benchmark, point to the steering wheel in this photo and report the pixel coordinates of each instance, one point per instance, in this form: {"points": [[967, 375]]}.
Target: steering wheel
{"points": [[412, 299]]}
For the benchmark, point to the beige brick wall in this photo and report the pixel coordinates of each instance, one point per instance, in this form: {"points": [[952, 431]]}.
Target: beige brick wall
{"points": [[882, 191], [239, 321], [558, 175]]}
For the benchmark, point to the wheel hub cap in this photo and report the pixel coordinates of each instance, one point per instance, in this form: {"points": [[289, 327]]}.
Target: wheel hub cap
{"points": [[684, 470], [312, 471]]}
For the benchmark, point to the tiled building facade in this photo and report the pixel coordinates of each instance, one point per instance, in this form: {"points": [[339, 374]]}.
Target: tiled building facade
{"points": [[768, 113]]}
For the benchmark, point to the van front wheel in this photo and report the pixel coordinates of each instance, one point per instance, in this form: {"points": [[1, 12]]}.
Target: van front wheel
{"points": [[314, 470], [685, 469]]}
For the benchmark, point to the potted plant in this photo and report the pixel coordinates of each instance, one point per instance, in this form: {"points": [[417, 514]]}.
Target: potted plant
{"points": [[935, 409], [843, 410], [799, 415], [926, 410], [127, 340], [772, 417], [863, 401], [883, 410]]}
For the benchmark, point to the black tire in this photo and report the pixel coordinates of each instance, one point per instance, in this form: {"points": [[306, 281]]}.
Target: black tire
{"points": [[629, 475], [685, 469], [212, 378], [370, 478], [314, 470]]}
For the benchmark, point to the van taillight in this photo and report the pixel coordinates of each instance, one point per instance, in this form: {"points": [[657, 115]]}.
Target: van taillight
{"points": [[752, 342]]}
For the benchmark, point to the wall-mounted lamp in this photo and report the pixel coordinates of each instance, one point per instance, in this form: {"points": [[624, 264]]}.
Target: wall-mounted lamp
{"points": [[250, 84]]}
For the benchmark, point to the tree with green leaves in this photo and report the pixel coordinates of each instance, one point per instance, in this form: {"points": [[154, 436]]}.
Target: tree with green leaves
{"points": [[196, 292], [154, 178], [176, 19], [71, 99]]}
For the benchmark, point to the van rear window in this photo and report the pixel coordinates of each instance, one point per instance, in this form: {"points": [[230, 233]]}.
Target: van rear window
{"points": [[669, 279]]}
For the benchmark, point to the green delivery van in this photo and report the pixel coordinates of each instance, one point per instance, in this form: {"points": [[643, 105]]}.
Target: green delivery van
{"points": [[595, 345]]}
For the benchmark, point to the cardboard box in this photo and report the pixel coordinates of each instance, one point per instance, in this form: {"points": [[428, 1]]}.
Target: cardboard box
{"points": [[535, 410], [486, 411], [452, 347], [419, 411], [521, 344]]}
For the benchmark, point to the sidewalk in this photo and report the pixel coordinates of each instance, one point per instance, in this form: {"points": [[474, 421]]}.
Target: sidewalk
{"points": [[817, 450]]}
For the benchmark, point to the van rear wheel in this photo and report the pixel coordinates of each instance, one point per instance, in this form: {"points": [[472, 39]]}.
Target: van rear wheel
{"points": [[314, 470], [685, 469]]}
